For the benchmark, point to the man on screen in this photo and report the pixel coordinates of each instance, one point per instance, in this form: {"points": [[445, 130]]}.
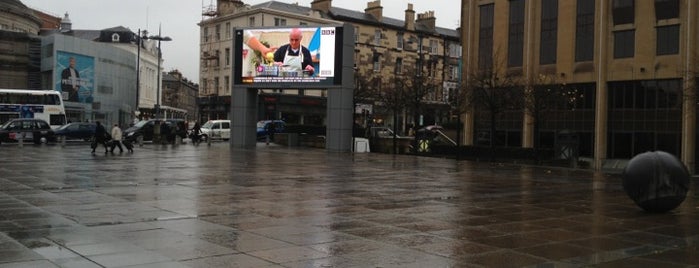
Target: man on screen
{"points": [[293, 57], [70, 78]]}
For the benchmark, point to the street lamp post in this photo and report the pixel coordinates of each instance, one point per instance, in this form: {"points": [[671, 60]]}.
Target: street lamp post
{"points": [[139, 38], [160, 54], [156, 127]]}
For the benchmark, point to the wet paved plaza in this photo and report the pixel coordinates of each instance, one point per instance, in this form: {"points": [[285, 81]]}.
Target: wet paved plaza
{"points": [[273, 206]]}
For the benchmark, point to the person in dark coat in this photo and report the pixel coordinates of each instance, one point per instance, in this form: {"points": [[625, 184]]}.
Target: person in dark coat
{"points": [[196, 133], [270, 129], [293, 56], [100, 137]]}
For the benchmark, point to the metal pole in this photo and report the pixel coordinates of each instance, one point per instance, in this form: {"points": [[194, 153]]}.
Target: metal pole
{"points": [[157, 97], [138, 69]]}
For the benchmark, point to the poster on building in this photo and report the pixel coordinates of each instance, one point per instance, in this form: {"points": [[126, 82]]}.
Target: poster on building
{"points": [[74, 76]]}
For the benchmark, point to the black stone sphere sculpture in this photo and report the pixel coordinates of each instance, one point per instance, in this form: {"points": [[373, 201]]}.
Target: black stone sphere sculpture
{"points": [[657, 181]]}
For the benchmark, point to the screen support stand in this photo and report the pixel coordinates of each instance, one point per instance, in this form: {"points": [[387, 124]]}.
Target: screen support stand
{"points": [[338, 133], [341, 100], [340, 105], [243, 117]]}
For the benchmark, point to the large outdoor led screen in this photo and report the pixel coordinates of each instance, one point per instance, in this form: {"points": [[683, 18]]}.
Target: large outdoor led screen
{"points": [[301, 57]]}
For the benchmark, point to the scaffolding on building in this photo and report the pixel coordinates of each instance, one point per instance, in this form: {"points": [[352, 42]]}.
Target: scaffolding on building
{"points": [[208, 11]]}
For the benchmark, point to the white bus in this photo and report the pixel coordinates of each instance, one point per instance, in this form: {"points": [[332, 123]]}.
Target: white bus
{"points": [[42, 104]]}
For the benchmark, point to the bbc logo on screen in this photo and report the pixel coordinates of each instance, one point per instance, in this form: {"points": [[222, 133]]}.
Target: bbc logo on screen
{"points": [[327, 32]]}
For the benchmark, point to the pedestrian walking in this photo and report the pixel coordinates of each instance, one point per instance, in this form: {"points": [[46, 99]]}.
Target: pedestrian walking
{"points": [[116, 138], [270, 129], [196, 133], [100, 137]]}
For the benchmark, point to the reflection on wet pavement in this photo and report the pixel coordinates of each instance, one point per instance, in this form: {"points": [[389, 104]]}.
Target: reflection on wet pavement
{"points": [[273, 206]]}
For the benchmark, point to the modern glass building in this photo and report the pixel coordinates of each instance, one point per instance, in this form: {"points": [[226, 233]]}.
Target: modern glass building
{"points": [[97, 79]]}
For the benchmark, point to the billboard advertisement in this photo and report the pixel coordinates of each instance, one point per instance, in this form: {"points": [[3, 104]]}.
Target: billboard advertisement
{"points": [[74, 76], [299, 57]]}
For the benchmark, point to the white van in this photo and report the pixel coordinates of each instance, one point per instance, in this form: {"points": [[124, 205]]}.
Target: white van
{"points": [[216, 129]]}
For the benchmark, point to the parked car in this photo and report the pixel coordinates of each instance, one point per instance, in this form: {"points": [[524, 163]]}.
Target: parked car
{"points": [[27, 129], [143, 130], [79, 130], [279, 126], [216, 129]]}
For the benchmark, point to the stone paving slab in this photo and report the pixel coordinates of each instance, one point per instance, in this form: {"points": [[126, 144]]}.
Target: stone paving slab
{"points": [[274, 206]]}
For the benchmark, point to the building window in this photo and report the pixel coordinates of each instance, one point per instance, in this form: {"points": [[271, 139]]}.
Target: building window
{"points": [[377, 37], [434, 47], [454, 72], [623, 11], [303, 23], [432, 69], [645, 95], [216, 85], [228, 57], [549, 32], [485, 36], [399, 41], [377, 62], [279, 22], [227, 84], [643, 117], [399, 66], [668, 40], [251, 21], [206, 34], [218, 32], [217, 61], [356, 34], [515, 42], [228, 30], [624, 44], [455, 50], [667, 9], [585, 30]]}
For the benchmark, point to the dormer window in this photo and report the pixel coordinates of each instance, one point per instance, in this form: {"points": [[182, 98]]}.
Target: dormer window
{"points": [[115, 37]]}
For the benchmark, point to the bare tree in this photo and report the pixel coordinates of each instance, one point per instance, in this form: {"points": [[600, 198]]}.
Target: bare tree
{"points": [[419, 86], [492, 90], [392, 94], [543, 97], [365, 90]]}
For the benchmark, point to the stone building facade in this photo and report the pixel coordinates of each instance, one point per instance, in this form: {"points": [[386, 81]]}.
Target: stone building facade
{"points": [[379, 43], [632, 63], [19, 46], [180, 93]]}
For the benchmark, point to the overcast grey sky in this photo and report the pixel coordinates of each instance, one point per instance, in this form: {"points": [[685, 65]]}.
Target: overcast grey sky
{"points": [[179, 20]]}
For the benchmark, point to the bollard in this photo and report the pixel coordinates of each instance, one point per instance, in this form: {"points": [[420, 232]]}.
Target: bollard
{"points": [[208, 140], [63, 141]]}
